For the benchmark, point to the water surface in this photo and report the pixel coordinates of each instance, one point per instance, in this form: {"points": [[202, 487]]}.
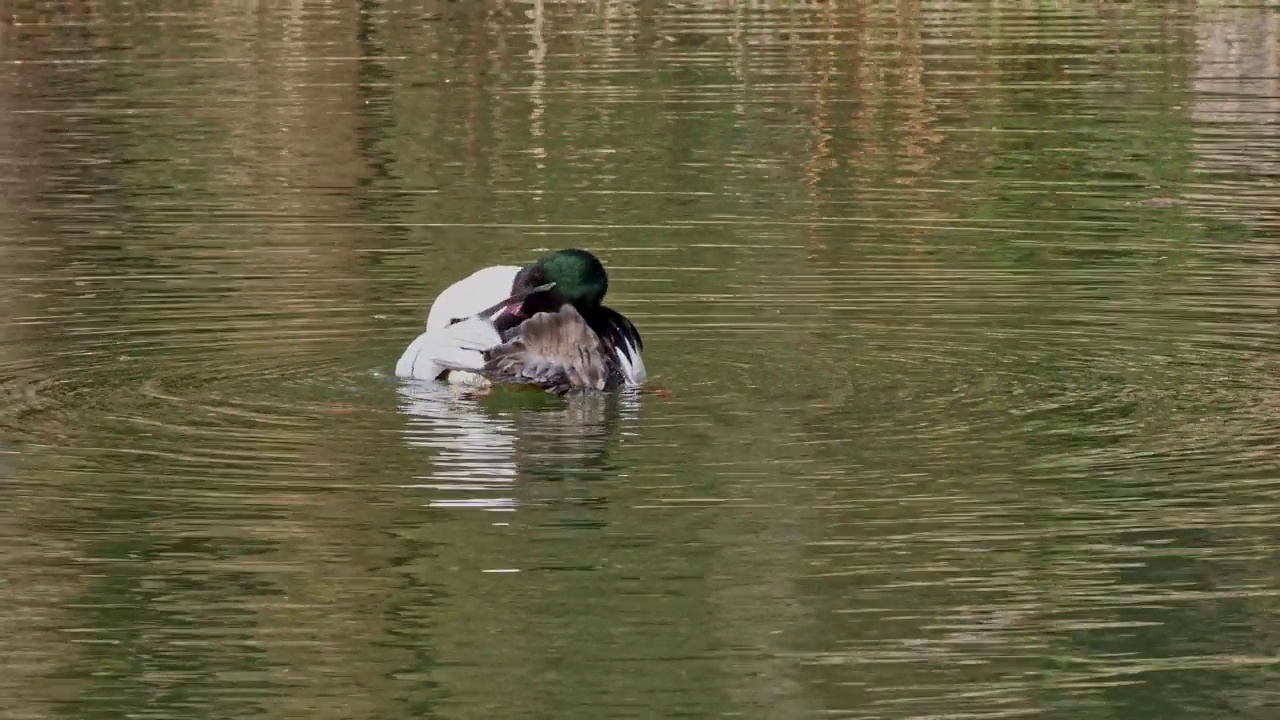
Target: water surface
{"points": [[965, 318]]}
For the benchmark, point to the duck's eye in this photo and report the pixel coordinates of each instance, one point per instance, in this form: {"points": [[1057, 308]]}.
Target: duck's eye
{"points": [[455, 321]]}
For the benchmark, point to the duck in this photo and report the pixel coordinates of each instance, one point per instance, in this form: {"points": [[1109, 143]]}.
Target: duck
{"points": [[543, 325]]}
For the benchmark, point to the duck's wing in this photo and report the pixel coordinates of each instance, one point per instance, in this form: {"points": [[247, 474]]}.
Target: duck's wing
{"points": [[555, 351], [624, 339], [457, 347]]}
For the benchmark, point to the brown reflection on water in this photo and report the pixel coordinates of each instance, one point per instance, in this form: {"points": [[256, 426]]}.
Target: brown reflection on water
{"points": [[1236, 102], [1236, 105], [41, 560]]}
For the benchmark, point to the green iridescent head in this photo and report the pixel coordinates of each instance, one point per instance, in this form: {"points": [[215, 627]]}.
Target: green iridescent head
{"points": [[579, 279]]}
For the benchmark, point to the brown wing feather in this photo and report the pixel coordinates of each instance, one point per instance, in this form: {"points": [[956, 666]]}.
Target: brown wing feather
{"points": [[556, 351]]}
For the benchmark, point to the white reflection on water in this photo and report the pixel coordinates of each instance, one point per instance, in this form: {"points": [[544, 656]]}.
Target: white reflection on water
{"points": [[477, 452], [473, 452]]}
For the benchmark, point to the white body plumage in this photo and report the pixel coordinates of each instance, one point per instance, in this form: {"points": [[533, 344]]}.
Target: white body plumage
{"points": [[458, 347]]}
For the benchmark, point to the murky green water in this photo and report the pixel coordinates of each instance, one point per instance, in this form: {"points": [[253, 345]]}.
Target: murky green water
{"points": [[967, 314]]}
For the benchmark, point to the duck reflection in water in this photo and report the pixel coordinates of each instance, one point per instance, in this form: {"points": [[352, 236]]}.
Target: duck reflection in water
{"points": [[482, 444]]}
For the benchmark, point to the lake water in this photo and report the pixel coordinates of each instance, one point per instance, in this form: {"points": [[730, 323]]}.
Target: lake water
{"points": [[964, 317]]}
